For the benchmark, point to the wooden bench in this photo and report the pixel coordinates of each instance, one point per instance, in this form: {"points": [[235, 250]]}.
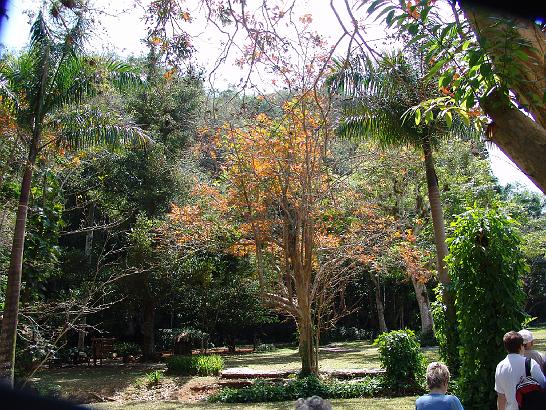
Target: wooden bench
{"points": [[101, 347]]}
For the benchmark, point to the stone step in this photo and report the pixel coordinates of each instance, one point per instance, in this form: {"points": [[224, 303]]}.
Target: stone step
{"points": [[249, 373]]}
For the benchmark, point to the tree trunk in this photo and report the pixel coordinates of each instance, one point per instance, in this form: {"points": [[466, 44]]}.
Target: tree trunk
{"points": [[379, 303], [90, 219], [518, 136], [437, 215], [424, 306], [306, 342], [13, 290], [81, 334], [148, 331], [232, 345], [8, 337], [521, 138]]}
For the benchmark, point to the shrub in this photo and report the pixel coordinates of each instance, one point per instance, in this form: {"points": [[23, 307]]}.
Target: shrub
{"points": [[165, 337], [209, 365], [201, 365], [401, 356], [267, 391]]}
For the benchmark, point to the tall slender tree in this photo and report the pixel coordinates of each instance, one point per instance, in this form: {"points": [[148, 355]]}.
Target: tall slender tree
{"points": [[377, 100], [42, 88]]}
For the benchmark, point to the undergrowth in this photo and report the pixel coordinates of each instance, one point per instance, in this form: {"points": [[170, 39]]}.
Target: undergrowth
{"points": [[267, 391]]}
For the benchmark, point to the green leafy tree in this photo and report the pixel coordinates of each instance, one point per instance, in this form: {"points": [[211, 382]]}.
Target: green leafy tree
{"points": [[222, 298], [135, 191], [487, 265], [50, 78], [487, 60]]}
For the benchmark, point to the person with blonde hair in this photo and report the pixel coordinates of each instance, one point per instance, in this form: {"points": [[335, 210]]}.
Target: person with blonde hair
{"points": [[437, 381]]}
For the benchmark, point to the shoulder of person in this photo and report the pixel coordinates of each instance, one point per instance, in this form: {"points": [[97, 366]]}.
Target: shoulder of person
{"points": [[424, 397], [502, 363], [454, 402]]}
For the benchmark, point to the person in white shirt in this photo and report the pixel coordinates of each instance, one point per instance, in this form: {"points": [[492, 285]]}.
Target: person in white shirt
{"points": [[510, 371], [528, 344]]}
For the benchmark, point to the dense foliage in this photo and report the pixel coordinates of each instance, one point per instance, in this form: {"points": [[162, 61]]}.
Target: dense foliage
{"points": [[400, 355], [487, 265]]}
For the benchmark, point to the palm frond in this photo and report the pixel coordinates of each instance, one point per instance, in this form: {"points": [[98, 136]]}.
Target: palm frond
{"points": [[379, 97], [78, 78], [39, 32], [123, 75], [80, 129]]}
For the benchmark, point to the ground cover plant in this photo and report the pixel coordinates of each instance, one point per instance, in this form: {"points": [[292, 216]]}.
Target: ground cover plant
{"points": [[200, 365], [266, 391]]}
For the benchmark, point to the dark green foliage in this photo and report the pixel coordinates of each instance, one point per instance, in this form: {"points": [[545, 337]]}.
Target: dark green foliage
{"points": [[346, 334], [44, 224], [487, 265], [266, 391], [221, 297], [124, 349], [401, 356], [166, 337], [200, 365]]}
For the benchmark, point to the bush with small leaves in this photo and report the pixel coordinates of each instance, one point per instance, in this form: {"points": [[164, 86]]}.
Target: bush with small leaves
{"points": [[125, 349], [487, 264], [400, 354]]}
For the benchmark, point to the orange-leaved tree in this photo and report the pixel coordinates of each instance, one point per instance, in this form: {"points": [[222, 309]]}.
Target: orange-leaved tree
{"points": [[278, 182]]}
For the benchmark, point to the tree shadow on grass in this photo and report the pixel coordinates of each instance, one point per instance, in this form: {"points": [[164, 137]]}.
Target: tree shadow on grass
{"points": [[291, 360], [82, 384]]}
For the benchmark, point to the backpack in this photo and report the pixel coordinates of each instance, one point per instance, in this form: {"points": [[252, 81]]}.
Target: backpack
{"points": [[529, 393]]}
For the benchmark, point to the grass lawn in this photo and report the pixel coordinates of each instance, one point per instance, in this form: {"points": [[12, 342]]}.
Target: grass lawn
{"points": [[121, 382], [88, 384], [400, 403], [539, 334], [360, 355], [125, 383]]}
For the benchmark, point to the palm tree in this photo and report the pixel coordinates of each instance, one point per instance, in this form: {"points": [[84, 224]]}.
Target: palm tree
{"points": [[377, 98], [43, 89]]}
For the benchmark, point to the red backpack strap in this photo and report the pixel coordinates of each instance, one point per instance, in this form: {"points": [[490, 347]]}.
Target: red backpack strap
{"points": [[528, 366]]}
